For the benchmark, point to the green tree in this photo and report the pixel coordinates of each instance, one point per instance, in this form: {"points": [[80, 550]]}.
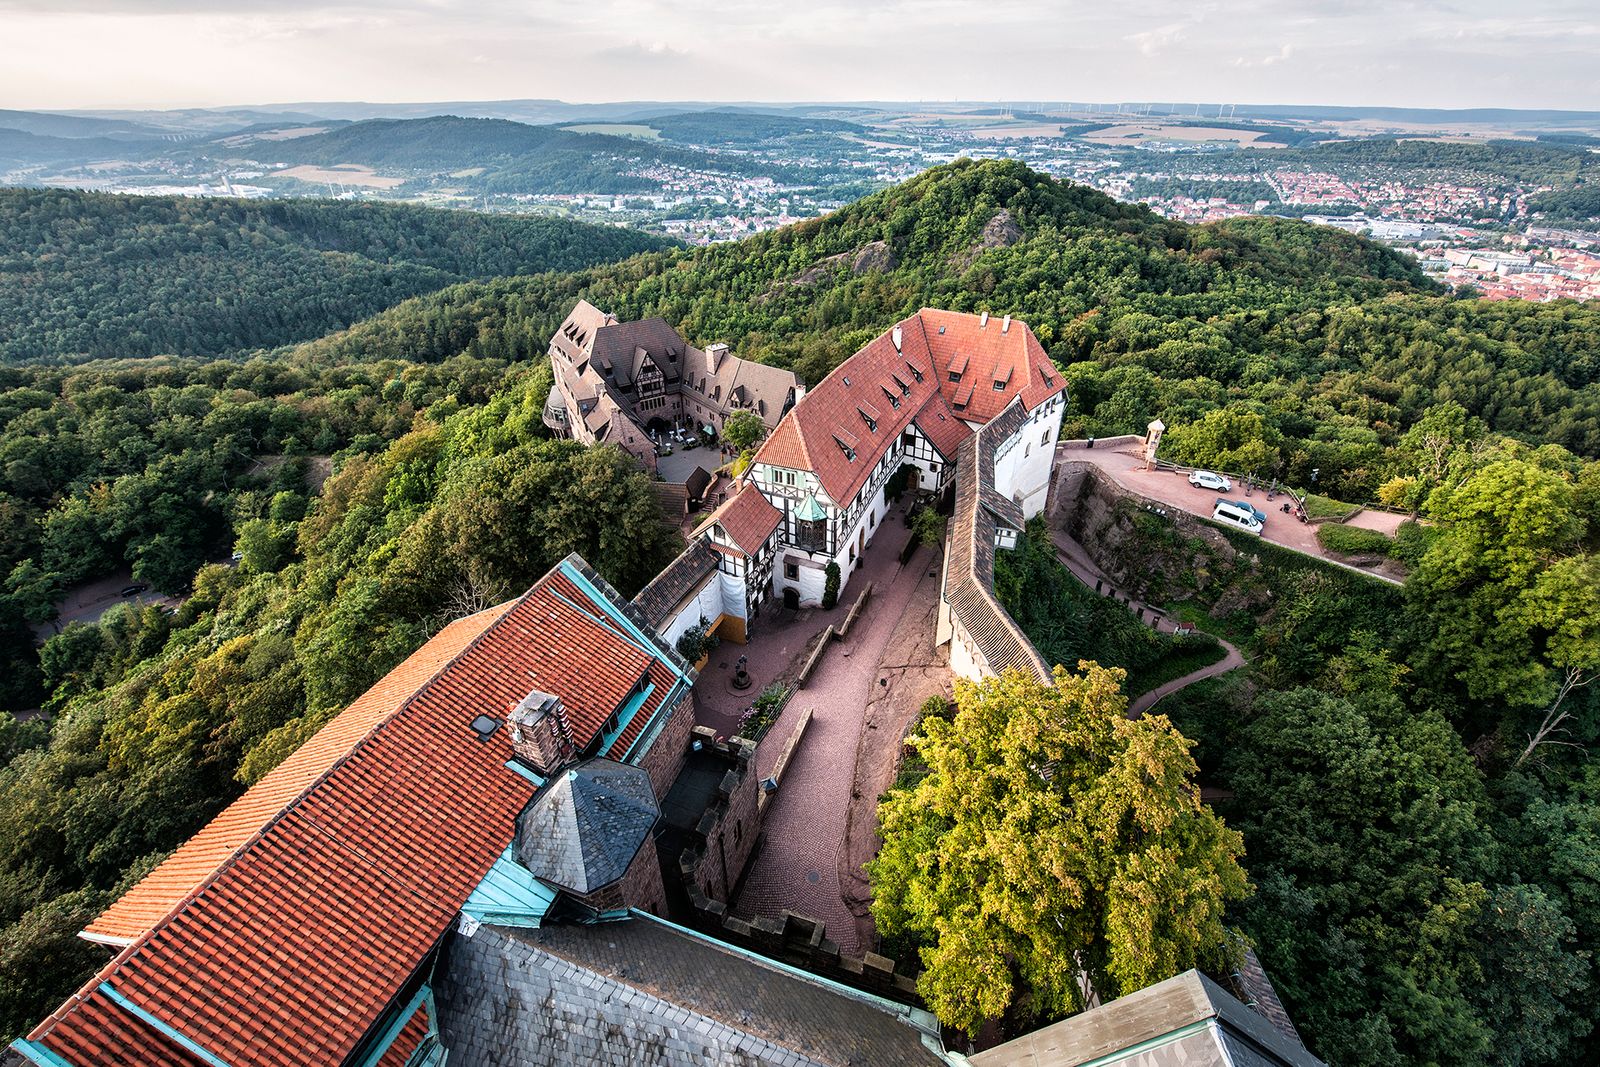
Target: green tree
{"points": [[743, 430], [1054, 846], [830, 585]]}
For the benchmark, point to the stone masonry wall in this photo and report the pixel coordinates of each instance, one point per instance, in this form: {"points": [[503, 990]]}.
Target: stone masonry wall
{"points": [[666, 755]]}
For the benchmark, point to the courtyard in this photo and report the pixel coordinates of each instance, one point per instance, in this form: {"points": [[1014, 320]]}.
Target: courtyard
{"points": [[862, 695]]}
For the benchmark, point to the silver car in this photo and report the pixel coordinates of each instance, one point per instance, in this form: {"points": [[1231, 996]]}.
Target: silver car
{"points": [[1210, 480]]}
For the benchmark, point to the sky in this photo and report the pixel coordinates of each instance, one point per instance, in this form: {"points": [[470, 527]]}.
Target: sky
{"points": [[206, 53]]}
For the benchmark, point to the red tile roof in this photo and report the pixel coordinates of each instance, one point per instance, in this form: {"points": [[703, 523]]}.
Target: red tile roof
{"points": [[984, 349], [748, 518], [291, 926], [992, 349]]}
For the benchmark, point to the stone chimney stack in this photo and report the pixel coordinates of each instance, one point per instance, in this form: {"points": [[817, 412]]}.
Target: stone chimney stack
{"points": [[1005, 326], [540, 735], [983, 321], [714, 356]]}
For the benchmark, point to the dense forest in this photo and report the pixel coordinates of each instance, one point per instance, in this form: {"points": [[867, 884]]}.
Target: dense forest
{"points": [[1425, 882], [202, 277]]}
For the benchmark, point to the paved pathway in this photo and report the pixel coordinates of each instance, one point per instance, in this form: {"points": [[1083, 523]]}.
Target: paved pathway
{"points": [[1145, 701], [1126, 466], [798, 868]]}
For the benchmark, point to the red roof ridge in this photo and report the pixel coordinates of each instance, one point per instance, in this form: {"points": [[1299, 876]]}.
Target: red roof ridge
{"points": [[499, 610]]}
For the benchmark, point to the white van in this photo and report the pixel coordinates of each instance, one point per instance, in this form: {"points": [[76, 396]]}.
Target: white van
{"points": [[1240, 516]]}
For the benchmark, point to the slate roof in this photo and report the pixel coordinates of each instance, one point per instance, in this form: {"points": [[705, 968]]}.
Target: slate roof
{"points": [[969, 565], [618, 346], [646, 991], [681, 579], [748, 517], [893, 386], [1157, 1027], [586, 825], [281, 932]]}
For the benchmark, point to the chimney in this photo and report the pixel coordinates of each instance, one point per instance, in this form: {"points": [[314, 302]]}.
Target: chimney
{"points": [[540, 736], [714, 354], [896, 338], [1006, 325], [983, 320]]}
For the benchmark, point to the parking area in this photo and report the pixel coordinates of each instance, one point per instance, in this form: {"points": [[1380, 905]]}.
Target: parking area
{"points": [[1126, 466]]}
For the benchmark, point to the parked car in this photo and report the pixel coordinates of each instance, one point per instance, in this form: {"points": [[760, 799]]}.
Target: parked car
{"points": [[1211, 480], [1239, 515], [134, 590]]}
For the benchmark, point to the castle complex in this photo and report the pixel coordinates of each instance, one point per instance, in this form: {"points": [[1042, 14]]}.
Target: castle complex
{"points": [[518, 846]]}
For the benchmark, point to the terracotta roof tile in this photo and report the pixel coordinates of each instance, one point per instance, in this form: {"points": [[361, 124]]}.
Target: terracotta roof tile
{"points": [[896, 384], [328, 884], [748, 517]]}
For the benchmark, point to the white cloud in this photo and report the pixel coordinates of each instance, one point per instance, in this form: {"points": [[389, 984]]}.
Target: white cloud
{"points": [[136, 53]]}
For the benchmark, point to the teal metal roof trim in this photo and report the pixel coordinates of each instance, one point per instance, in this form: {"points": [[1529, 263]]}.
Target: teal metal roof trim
{"points": [[509, 895], [36, 1053], [163, 1027], [423, 996], [629, 710]]}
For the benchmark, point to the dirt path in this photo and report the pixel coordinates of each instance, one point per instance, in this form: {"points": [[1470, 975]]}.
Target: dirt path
{"points": [[1076, 559], [1144, 702]]}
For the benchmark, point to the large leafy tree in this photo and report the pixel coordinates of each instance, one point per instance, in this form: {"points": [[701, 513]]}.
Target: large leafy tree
{"points": [[1054, 846]]}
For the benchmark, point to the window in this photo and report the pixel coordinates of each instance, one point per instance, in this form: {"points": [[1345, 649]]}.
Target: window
{"points": [[791, 571], [1045, 439], [915, 373], [872, 423], [847, 379], [905, 390], [811, 534], [849, 453], [894, 401], [999, 385], [955, 376]]}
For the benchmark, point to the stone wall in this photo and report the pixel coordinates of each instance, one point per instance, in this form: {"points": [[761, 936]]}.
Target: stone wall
{"points": [[667, 752]]}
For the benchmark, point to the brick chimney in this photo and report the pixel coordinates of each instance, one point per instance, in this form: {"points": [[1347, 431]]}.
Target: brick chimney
{"points": [[539, 732]]}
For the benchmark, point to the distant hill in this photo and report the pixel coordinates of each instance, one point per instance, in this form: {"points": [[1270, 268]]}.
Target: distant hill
{"points": [[52, 124], [743, 127], [510, 156], [19, 148], [92, 275]]}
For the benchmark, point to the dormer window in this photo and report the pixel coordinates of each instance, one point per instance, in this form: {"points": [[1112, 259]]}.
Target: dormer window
{"points": [[999, 385], [915, 373], [955, 376], [894, 401], [849, 453], [905, 390], [872, 423]]}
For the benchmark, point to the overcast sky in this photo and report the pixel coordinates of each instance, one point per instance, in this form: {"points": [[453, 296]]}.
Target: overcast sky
{"points": [[176, 53]]}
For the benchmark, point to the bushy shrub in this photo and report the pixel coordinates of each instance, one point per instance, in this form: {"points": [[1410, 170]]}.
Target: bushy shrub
{"points": [[697, 641], [1352, 540], [830, 586]]}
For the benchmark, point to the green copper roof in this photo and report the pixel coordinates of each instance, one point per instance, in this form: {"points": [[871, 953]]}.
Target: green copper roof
{"points": [[809, 510]]}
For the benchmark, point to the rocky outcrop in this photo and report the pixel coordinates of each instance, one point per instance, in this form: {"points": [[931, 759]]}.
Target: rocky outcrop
{"points": [[1160, 554], [877, 256], [1001, 231]]}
